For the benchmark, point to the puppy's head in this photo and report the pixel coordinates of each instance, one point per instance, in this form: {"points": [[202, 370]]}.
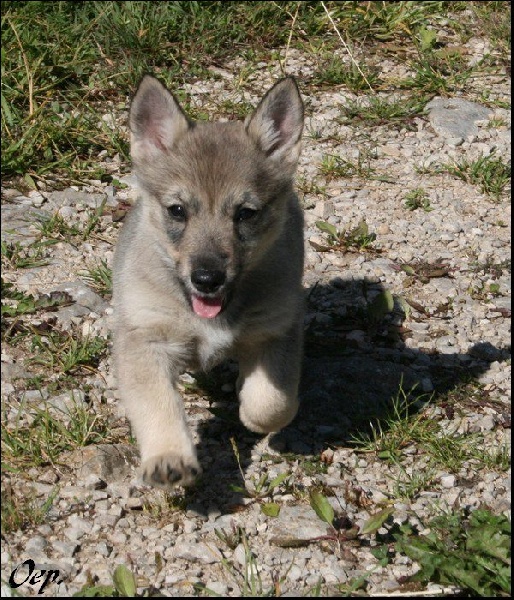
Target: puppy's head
{"points": [[214, 193]]}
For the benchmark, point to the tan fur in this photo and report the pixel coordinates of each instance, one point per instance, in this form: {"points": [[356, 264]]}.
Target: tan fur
{"points": [[217, 223]]}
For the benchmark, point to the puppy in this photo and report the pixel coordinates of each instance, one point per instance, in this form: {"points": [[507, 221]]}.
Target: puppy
{"points": [[208, 266]]}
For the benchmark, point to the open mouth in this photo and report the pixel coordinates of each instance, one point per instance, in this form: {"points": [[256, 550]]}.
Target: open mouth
{"points": [[207, 308]]}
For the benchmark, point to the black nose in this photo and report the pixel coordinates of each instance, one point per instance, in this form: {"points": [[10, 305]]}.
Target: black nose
{"points": [[207, 281]]}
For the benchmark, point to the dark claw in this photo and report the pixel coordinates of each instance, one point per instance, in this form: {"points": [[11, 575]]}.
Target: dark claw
{"points": [[173, 476], [156, 475]]}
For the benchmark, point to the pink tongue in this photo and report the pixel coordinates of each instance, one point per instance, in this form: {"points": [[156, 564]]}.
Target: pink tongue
{"points": [[206, 307]]}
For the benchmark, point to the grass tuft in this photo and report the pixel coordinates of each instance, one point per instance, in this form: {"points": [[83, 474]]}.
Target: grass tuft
{"points": [[472, 552], [40, 435], [490, 173]]}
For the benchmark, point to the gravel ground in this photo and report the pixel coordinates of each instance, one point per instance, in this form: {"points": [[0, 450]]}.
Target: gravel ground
{"points": [[450, 323]]}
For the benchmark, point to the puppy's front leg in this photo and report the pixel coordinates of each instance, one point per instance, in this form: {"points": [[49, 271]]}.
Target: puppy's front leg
{"points": [[146, 374], [268, 381]]}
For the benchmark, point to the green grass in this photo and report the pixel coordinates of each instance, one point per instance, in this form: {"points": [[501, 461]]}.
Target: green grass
{"points": [[378, 110], [417, 198], [66, 64], [437, 73], [23, 512], [359, 237], [470, 551], [335, 167], [56, 228], [493, 20], [384, 21], [334, 71], [48, 433], [67, 353], [248, 575], [258, 487], [16, 256], [99, 277], [19, 303], [490, 173], [443, 448]]}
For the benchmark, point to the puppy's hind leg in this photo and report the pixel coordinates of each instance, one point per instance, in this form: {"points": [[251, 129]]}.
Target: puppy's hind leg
{"points": [[268, 381]]}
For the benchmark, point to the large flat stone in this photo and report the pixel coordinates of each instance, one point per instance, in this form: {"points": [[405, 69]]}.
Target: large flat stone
{"points": [[456, 118]]}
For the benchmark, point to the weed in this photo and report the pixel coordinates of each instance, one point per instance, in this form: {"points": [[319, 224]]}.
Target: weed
{"points": [[22, 512], [382, 110], [124, 586], [496, 123], [336, 167], [418, 198], [408, 486], [444, 449], [57, 228], [22, 303], [252, 584], [491, 174], [424, 271], [310, 188], [486, 98], [497, 458], [248, 576], [388, 440], [165, 504], [231, 538], [235, 109], [493, 20], [263, 486], [42, 438], [359, 238], [483, 291], [438, 71], [341, 530], [67, 353], [313, 466], [336, 72], [469, 551], [100, 278], [385, 21], [492, 269], [16, 256]]}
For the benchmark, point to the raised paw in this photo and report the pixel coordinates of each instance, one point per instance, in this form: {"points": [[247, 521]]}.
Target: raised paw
{"points": [[169, 470]]}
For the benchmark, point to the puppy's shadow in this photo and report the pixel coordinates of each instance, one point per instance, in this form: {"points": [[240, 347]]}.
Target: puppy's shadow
{"points": [[355, 364]]}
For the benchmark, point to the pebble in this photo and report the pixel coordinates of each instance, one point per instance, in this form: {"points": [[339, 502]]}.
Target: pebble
{"points": [[448, 481], [36, 545]]}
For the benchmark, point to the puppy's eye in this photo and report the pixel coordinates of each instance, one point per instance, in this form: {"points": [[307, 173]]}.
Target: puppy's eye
{"points": [[177, 212], [244, 213]]}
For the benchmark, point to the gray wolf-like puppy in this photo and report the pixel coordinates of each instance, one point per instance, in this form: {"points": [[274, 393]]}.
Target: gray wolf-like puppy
{"points": [[208, 267]]}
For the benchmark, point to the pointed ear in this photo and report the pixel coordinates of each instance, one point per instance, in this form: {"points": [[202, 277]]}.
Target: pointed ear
{"points": [[156, 121], [276, 124]]}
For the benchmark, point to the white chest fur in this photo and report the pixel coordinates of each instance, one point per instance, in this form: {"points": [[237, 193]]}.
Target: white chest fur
{"points": [[214, 343]]}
